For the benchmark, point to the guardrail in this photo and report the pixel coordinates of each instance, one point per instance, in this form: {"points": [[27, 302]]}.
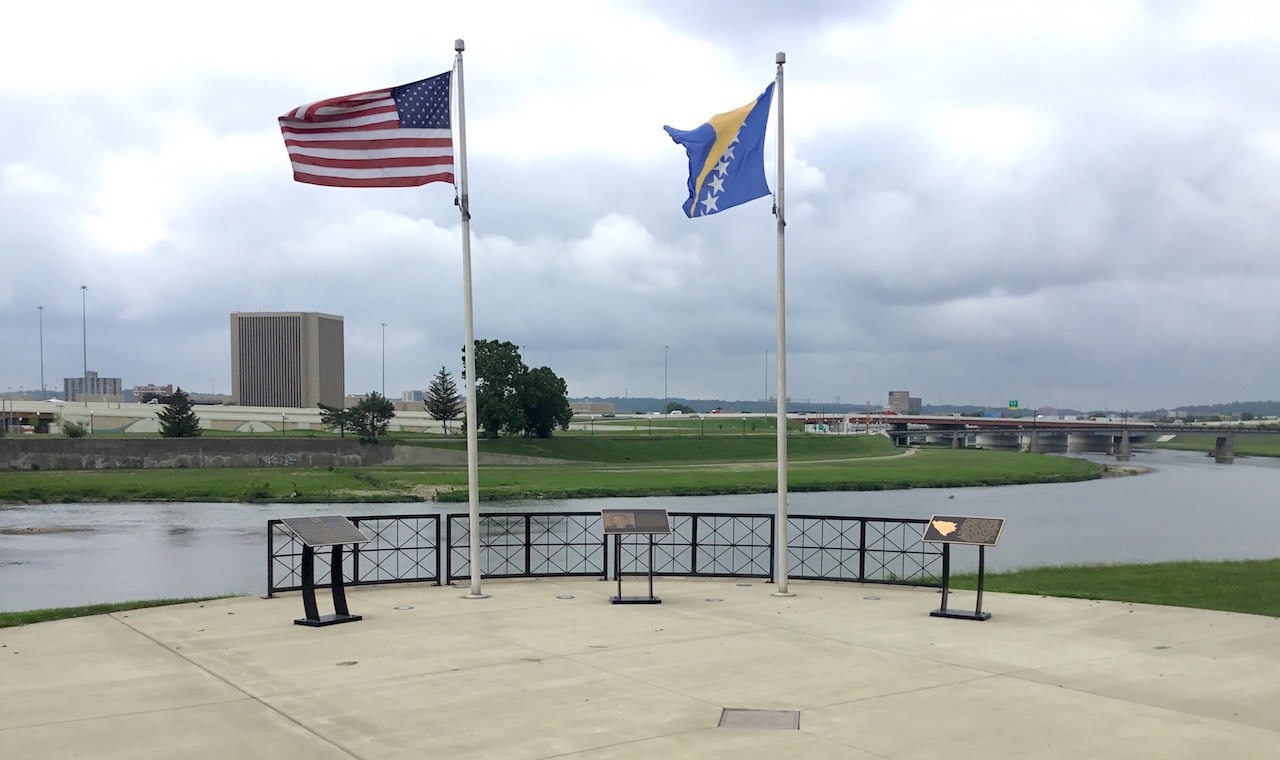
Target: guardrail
{"points": [[434, 548]]}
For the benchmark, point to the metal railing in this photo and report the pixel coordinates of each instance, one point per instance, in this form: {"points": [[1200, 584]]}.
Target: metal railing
{"points": [[409, 549]]}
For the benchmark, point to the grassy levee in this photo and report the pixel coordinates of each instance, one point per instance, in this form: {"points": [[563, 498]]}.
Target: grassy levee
{"points": [[929, 468], [1249, 586], [1245, 445], [642, 449], [584, 466]]}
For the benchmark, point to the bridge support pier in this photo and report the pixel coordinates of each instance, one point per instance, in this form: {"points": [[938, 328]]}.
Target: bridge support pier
{"points": [[1124, 452], [957, 441], [1224, 451]]}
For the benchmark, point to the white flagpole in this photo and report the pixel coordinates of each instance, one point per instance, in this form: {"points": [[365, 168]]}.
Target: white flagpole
{"points": [[780, 533], [469, 348]]}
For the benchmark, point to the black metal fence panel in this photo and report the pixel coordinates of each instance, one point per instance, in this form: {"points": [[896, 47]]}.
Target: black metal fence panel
{"points": [[528, 544], [401, 549], [411, 548]]}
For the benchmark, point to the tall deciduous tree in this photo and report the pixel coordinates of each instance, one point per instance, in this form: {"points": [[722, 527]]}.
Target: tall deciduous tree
{"points": [[544, 399], [178, 419], [443, 402], [512, 399], [498, 367]]}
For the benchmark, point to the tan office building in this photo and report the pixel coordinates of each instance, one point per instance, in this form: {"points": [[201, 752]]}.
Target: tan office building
{"points": [[288, 358]]}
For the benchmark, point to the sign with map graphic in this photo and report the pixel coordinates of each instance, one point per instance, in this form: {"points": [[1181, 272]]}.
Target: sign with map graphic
{"points": [[622, 521], [973, 531]]}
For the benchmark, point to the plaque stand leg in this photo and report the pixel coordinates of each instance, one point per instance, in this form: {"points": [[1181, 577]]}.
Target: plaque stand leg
{"points": [[617, 573], [340, 612], [977, 613]]}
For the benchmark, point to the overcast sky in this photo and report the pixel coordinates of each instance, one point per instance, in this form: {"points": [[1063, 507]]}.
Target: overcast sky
{"points": [[1071, 204]]}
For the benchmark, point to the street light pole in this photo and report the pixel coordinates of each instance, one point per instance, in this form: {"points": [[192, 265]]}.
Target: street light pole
{"points": [[384, 359], [42, 394], [84, 337], [665, 395]]}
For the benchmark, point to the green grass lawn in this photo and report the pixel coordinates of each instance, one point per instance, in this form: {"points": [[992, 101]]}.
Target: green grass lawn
{"points": [[642, 449], [588, 466], [1251, 586], [1245, 445]]}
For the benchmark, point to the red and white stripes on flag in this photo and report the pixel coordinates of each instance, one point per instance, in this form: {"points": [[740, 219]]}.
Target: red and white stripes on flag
{"points": [[393, 137]]}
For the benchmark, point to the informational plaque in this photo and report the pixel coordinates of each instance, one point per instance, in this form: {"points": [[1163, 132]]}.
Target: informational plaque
{"points": [[626, 521], [966, 531], [972, 531], [325, 530], [629, 522]]}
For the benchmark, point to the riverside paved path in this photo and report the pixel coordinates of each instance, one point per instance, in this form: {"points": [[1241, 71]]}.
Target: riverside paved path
{"points": [[551, 669]]}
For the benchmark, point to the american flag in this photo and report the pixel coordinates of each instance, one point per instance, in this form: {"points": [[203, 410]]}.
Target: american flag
{"points": [[394, 137]]}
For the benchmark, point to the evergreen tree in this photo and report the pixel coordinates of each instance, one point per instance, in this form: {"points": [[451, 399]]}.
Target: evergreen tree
{"points": [[443, 402], [178, 419], [336, 417], [371, 416]]}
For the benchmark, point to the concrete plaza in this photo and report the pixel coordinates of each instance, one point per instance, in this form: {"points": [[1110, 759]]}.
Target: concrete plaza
{"points": [[551, 669]]}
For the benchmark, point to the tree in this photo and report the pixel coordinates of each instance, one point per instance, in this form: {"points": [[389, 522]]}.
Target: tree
{"points": [[512, 399], [498, 368], [443, 402], [336, 417], [371, 416], [544, 400], [178, 419]]}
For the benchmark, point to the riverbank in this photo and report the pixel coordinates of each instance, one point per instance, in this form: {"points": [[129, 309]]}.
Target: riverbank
{"points": [[650, 467]]}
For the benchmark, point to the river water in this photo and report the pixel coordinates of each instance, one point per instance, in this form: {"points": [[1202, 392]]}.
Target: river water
{"points": [[1187, 507]]}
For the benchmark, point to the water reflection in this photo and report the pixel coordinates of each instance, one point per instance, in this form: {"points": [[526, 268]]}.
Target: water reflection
{"points": [[1187, 508]]}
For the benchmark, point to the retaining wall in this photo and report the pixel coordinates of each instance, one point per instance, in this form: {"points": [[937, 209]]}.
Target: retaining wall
{"points": [[32, 453]]}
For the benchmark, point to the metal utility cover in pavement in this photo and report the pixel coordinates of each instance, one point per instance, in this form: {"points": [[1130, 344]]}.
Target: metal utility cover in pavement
{"points": [[732, 717]]}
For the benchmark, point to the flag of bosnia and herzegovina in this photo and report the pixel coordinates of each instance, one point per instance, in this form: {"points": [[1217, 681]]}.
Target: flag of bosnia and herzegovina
{"points": [[726, 157]]}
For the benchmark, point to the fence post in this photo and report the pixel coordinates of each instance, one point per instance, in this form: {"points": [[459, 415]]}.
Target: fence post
{"points": [[528, 544], [862, 548], [271, 557], [438, 551], [693, 545], [773, 533], [355, 555]]}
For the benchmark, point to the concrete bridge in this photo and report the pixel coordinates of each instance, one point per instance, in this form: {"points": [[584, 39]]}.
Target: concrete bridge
{"points": [[1031, 434]]}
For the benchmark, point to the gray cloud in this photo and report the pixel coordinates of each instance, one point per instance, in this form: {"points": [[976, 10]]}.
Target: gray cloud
{"points": [[1072, 205]]}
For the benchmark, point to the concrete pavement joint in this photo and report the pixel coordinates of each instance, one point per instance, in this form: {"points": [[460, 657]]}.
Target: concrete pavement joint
{"points": [[249, 697]]}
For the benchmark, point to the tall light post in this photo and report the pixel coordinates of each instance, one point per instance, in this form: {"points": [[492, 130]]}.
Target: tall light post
{"points": [[41, 311], [384, 359], [84, 337], [665, 395]]}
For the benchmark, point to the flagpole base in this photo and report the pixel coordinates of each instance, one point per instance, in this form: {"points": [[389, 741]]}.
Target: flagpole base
{"points": [[475, 596]]}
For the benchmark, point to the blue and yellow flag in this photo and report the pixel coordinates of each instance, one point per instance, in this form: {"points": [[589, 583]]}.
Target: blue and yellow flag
{"points": [[726, 158]]}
